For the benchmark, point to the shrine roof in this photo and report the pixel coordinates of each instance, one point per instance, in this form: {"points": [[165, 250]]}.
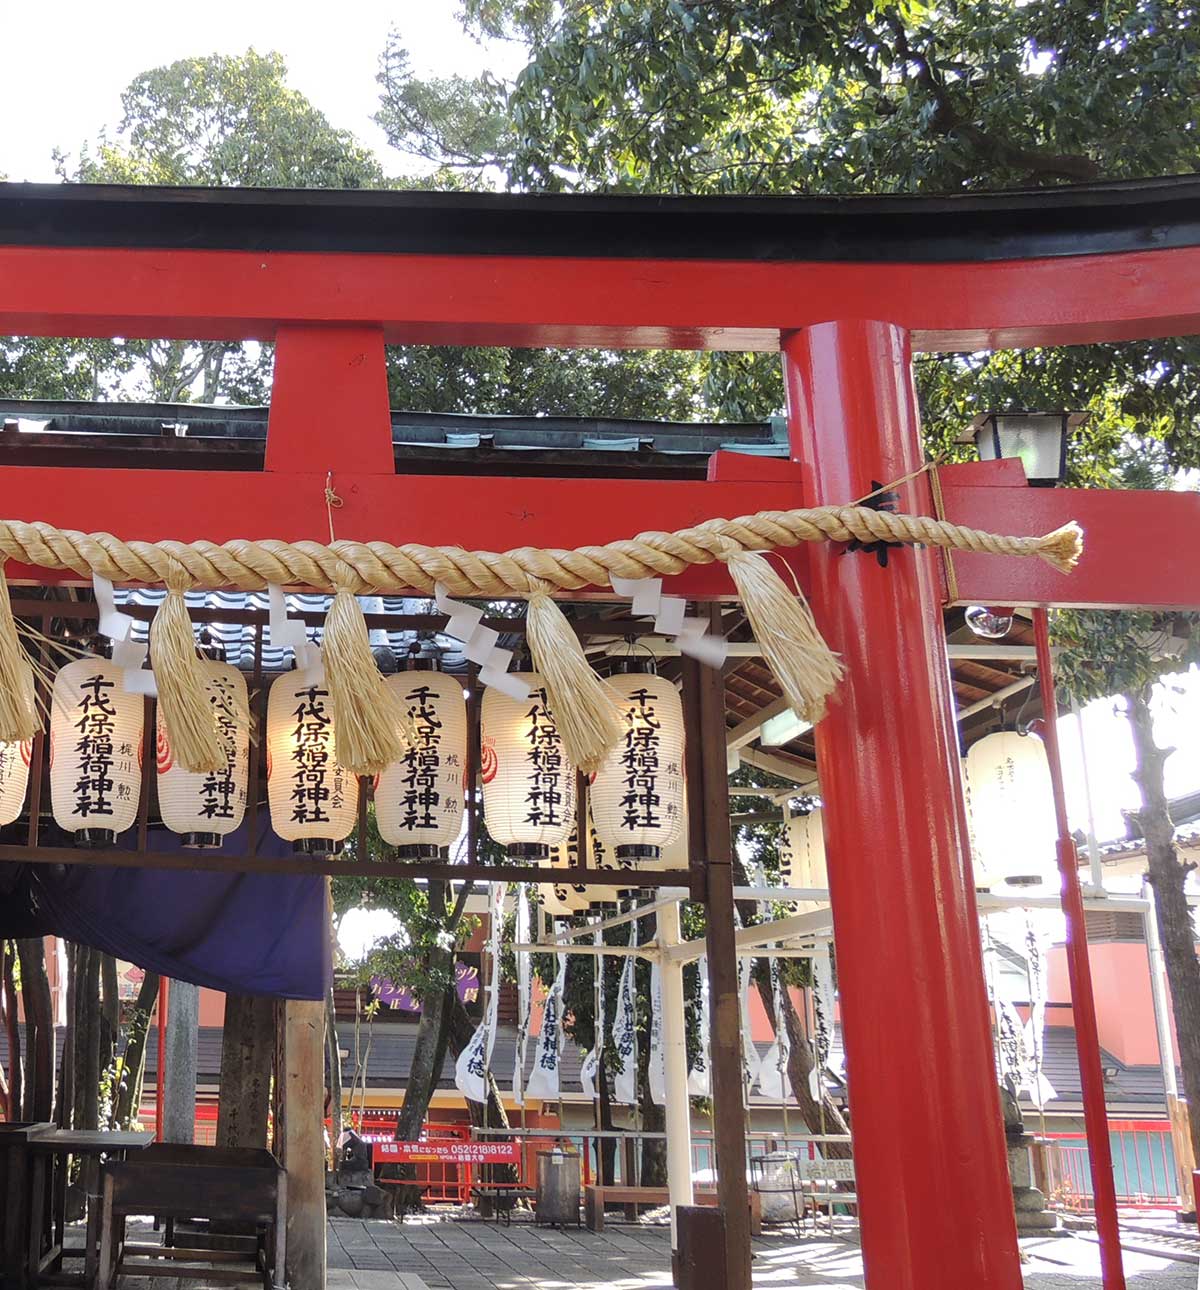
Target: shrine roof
{"points": [[1067, 220]]}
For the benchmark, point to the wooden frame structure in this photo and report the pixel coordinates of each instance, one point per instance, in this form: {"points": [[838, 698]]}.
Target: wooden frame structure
{"points": [[845, 289]]}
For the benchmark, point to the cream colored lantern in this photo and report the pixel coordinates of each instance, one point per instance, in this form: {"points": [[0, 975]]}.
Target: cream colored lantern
{"points": [[637, 794], [1011, 805], [802, 858], [419, 799], [96, 733], [313, 800], [204, 808], [14, 779], [528, 783], [598, 857]]}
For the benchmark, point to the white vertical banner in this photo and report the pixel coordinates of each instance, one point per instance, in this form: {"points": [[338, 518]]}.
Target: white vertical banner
{"points": [[699, 1083], [657, 1070], [750, 1058], [543, 1079], [772, 1076], [823, 998], [1037, 942], [470, 1071], [625, 1030], [524, 994], [589, 1072]]}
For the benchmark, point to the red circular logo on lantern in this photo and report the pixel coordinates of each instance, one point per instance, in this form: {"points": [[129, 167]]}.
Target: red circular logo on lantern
{"points": [[488, 765], [27, 751], [51, 749], [141, 748], [162, 749], [268, 761]]}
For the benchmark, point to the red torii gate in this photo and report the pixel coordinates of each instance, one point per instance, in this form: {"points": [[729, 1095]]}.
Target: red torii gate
{"points": [[846, 289]]}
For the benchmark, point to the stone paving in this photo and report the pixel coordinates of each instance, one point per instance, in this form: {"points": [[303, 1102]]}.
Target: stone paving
{"points": [[478, 1255]]}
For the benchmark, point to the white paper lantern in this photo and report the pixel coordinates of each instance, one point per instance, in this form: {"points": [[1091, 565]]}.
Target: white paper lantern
{"points": [[419, 799], [1011, 805], [96, 733], [593, 896], [637, 794], [14, 779], [528, 783], [313, 800], [200, 806], [802, 857]]}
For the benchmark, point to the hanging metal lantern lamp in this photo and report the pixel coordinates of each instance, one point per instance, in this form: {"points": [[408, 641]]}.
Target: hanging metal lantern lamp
{"points": [[419, 799], [96, 746], [313, 800], [528, 783], [205, 807]]}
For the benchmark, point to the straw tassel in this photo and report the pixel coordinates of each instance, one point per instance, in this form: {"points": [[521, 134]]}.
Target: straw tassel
{"points": [[807, 670], [179, 676], [370, 719], [1063, 547], [585, 710], [18, 710]]}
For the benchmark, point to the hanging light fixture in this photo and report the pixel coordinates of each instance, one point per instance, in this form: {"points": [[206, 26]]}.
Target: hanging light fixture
{"points": [[96, 733], [419, 799], [204, 807], [637, 794], [528, 783], [14, 778], [1037, 439], [313, 800], [1011, 806]]}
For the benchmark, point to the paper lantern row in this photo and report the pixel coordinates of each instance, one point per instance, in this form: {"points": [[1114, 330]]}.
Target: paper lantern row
{"points": [[529, 786]]}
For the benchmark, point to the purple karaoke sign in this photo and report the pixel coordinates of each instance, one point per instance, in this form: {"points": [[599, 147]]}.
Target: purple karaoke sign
{"points": [[466, 982]]}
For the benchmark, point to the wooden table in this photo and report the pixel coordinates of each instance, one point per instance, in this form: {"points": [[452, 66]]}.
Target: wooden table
{"points": [[50, 1153]]}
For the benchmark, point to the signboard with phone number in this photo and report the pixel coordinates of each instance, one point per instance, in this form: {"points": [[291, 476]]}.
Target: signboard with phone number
{"points": [[463, 1153]]}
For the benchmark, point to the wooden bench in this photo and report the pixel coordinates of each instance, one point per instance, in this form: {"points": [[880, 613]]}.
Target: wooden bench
{"points": [[175, 1182], [502, 1197], [595, 1197]]}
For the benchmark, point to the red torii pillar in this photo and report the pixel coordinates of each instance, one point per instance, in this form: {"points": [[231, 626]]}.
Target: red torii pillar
{"points": [[931, 1173]]}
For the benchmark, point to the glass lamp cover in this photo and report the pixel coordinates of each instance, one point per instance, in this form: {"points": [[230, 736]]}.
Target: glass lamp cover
{"points": [[528, 783], [309, 794], [96, 731], [14, 779], [1035, 439], [637, 794], [419, 799], [198, 802], [1011, 805]]}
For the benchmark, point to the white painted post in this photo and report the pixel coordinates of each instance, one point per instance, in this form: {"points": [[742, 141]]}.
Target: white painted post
{"points": [[679, 1111]]}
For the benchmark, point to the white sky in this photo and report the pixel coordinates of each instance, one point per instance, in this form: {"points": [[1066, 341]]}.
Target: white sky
{"points": [[66, 63]]}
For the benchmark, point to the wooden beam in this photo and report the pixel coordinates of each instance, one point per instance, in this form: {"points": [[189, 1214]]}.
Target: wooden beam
{"points": [[776, 765], [303, 1079], [747, 731]]}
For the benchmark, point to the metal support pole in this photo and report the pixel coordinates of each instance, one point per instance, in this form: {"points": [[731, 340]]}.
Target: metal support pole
{"points": [[679, 1110], [1177, 1109], [708, 819], [1083, 1003], [924, 1100], [1094, 863]]}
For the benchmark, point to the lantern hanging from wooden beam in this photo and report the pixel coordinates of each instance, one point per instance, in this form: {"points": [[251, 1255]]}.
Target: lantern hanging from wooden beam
{"points": [[419, 799], [205, 806], [528, 783], [594, 896], [637, 794], [96, 744], [14, 778], [802, 857], [1011, 805], [313, 799]]}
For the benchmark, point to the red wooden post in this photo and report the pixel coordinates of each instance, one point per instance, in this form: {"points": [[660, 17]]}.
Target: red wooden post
{"points": [[1079, 970], [937, 1207]]}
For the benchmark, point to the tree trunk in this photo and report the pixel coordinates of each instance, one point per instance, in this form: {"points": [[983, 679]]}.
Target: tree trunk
{"points": [[87, 1044], [424, 1072], [247, 1052], [8, 951], [66, 1084], [39, 1029], [1167, 875], [110, 1032], [491, 1115], [133, 1065], [608, 1146]]}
